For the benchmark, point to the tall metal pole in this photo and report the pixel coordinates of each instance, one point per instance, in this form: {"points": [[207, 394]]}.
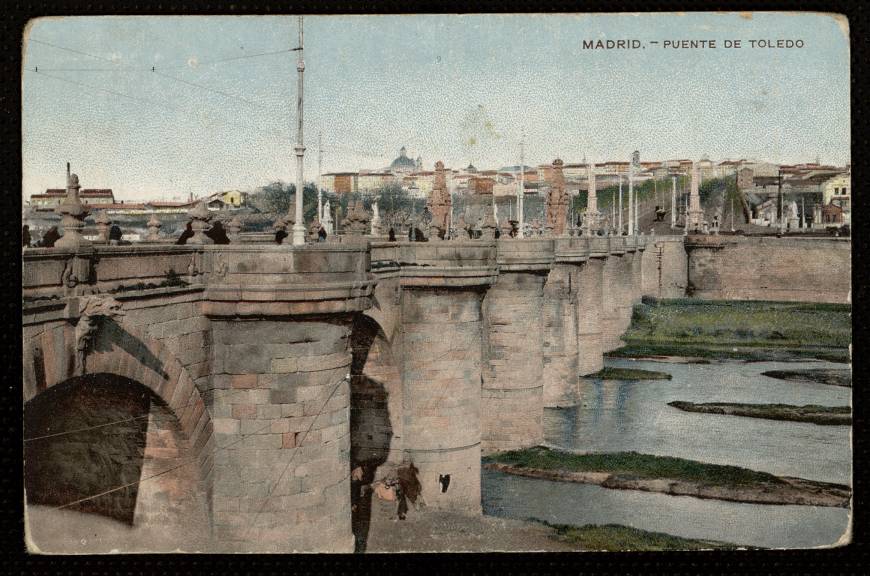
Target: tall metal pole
{"points": [[299, 225], [522, 191], [780, 207], [619, 177], [631, 201], [319, 176], [673, 202]]}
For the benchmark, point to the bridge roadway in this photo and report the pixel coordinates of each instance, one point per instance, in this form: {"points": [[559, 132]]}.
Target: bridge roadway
{"points": [[453, 349]]}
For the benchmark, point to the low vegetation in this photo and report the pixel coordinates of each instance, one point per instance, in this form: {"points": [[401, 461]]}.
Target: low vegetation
{"points": [[752, 330], [831, 377], [618, 538], [612, 373], [668, 475], [635, 465], [823, 415]]}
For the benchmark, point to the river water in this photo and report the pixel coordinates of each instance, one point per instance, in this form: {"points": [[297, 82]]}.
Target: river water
{"points": [[620, 416]]}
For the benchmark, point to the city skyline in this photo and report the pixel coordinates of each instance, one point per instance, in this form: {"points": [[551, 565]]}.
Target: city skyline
{"points": [[217, 110]]}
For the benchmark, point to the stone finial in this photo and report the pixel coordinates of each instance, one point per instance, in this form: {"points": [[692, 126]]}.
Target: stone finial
{"points": [[314, 230], [234, 227], [280, 224], [488, 226], [505, 229], [199, 223], [154, 226], [356, 223], [536, 227], [461, 229], [104, 225], [73, 215], [435, 232]]}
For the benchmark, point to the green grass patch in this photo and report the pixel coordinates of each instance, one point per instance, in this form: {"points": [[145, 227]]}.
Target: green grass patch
{"points": [[812, 413], [636, 465], [751, 352], [829, 376], [611, 373], [687, 322], [618, 538]]}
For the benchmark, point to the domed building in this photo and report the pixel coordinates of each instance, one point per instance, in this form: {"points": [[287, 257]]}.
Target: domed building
{"points": [[403, 163]]}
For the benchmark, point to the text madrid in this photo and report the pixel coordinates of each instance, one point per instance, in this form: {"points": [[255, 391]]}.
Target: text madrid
{"points": [[689, 44]]}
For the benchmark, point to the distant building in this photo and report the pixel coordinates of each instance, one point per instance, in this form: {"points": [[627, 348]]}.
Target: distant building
{"points": [[404, 164], [54, 197], [837, 191], [340, 182]]}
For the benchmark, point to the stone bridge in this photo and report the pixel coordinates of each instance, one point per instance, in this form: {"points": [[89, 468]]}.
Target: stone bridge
{"points": [[217, 398]]}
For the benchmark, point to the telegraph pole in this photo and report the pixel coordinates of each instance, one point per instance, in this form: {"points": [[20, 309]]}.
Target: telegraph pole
{"points": [[779, 195], [299, 225], [319, 176], [619, 176], [522, 191]]}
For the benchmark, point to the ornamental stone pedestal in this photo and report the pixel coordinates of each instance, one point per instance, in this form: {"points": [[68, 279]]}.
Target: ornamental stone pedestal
{"points": [[199, 218], [443, 286], [280, 362], [512, 399]]}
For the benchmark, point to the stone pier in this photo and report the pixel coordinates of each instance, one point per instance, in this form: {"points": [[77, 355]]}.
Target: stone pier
{"points": [[561, 350], [443, 286], [589, 315], [612, 296], [279, 395], [513, 387]]}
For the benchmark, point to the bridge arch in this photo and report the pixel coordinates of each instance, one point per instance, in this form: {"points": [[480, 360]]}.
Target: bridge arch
{"points": [[94, 438]]}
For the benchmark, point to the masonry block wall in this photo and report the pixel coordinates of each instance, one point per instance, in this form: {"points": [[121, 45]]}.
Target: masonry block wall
{"points": [[665, 267], [512, 395], [769, 268], [441, 374], [280, 404], [560, 336]]}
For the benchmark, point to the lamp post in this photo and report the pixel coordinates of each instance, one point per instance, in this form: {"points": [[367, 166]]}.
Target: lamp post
{"points": [[298, 224]]}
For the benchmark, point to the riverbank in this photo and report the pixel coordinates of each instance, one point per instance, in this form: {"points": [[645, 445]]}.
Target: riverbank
{"points": [[668, 475], [812, 413], [628, 374], [831, 377], [744, 330], [619, 538]]}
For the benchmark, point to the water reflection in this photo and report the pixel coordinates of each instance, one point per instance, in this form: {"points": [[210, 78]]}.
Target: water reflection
{"points": [[616, 416], [620, 416], [747, 524]]}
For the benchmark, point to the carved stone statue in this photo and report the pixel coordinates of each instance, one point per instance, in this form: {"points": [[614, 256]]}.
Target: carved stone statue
{"points": [[93, 310]]}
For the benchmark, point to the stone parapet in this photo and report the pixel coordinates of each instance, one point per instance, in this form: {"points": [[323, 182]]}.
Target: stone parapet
{"points": [[525, 254], [571, 250], [282, 280], [617, 244]]}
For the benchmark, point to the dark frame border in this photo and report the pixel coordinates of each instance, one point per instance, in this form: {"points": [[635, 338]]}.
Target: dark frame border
{"points": [[845, 560]]}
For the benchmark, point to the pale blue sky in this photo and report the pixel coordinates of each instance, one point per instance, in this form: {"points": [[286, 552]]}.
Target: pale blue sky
{"points": [[431, 83]]}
